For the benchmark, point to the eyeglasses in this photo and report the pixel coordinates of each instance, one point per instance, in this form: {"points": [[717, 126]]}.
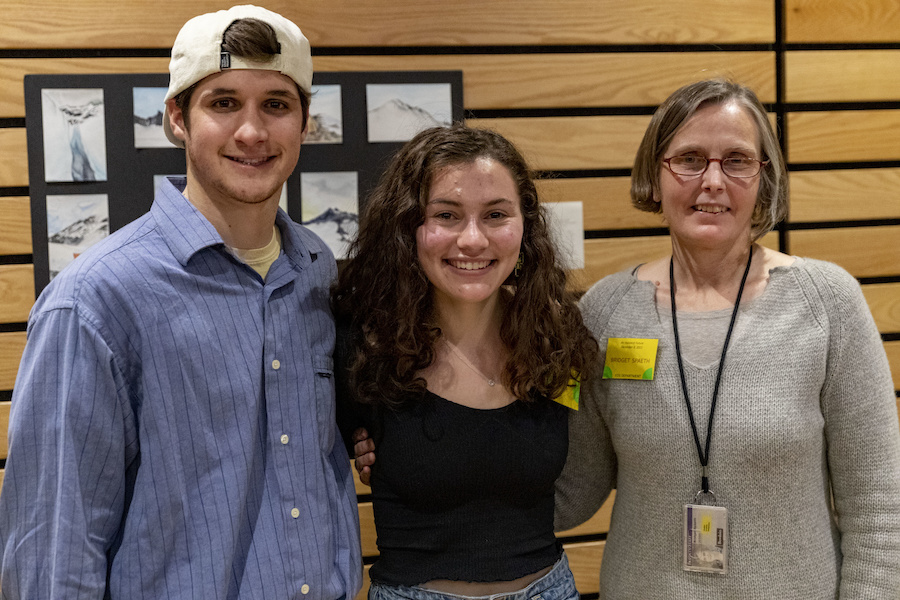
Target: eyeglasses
{"points": [[694, 165]]}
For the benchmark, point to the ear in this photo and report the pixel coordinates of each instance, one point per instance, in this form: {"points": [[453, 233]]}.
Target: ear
{"points": [[176, 119], [305, 131]]}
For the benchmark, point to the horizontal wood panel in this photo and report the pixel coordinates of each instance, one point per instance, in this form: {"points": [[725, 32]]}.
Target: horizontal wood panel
{"points": [[606, 200], [597, 524], [14, 165], [15, 225], [560, 143], [4, 429], [13, 71], [584, 560], [884, 302], [863, 251], [845, 195], [607, 256], [61, 24], [12, 344], [842, 21], [853, 135], [893, 353], [17, 292], [575, 80], [864, 75], [489, 81]]}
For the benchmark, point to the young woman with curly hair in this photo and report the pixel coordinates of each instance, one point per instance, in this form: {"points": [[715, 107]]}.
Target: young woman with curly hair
{"points": [[457, 334]]}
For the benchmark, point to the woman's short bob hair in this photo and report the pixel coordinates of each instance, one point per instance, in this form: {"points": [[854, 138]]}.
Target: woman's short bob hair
{"points": [[771, 201]]}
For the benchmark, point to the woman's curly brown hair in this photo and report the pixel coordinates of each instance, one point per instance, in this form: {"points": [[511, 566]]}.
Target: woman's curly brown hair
{"points": [[386, 298]]}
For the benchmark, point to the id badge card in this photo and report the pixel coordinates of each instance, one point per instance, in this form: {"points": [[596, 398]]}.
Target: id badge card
{"points": [[705, 538]]}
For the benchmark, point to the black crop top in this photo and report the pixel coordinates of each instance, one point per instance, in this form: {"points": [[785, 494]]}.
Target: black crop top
{"points": [[466, 494]]}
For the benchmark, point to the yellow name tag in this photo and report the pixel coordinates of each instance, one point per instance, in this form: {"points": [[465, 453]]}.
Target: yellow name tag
{"points": [[630, 358], [572, 395]]}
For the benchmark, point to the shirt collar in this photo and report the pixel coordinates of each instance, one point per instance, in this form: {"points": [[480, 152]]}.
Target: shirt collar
{"points": [[299, 244], [186, 231], [181, 225]]}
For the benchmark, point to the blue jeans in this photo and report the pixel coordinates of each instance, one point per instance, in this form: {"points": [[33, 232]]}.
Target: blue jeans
{"points": [[557, 584]]}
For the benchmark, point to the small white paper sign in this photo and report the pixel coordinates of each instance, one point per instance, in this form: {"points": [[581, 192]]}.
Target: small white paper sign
{"points": [[566, 220]]}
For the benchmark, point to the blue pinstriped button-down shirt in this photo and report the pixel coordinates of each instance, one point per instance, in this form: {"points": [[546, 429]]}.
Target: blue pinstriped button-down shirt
{"points": [[172, 432]]}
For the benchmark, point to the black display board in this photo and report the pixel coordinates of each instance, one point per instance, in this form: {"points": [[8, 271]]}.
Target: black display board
{"points": [[130, 171]]}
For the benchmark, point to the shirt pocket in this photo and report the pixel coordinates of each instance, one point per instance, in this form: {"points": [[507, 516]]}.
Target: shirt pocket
{"points": [[323, 373]]}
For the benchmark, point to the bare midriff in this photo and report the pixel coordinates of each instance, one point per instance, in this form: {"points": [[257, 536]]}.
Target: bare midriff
{"points": [[482, 588]]}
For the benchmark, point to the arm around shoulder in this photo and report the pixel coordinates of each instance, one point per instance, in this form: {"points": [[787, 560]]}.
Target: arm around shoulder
{"points": [[590, 471]]}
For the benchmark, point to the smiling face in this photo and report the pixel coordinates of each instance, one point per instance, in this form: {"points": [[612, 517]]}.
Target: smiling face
{"points": [[470, 239], [246, 127], [713, 210]]}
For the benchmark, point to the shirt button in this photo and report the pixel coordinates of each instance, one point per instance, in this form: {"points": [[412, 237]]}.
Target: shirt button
{"points": [[295, 512], [304, 590], [276, 364], [284, 439]]}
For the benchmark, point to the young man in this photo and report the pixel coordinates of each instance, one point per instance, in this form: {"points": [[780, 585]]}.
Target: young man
{"points": [[172, 432]]}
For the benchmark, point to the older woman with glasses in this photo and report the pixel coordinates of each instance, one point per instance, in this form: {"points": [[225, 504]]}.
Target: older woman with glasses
{"points": [[746, 416]]}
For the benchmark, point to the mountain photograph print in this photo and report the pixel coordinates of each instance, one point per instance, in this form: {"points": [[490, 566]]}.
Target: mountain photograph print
{"points": [[330, 204], [326, 122], [397, 112], [74, 135], [149, 111], [75, 222]]}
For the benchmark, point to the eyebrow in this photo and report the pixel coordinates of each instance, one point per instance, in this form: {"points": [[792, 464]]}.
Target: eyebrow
{"points": [[232, 92], [494, 202], [696, 148]]}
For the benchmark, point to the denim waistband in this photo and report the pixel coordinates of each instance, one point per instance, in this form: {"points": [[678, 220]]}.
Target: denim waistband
{"points": [[556, 584]]}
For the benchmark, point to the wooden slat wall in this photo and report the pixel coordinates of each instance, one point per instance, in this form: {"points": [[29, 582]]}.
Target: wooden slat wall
{"points": [[573, 82], [90, 23], [845, 195], [491, 81], [14, 166], [857, 68], [843, 136], [15, 225], [17, 291], [843, 145], [884, 300], [822, 21], [893, 353], [12, 344]]}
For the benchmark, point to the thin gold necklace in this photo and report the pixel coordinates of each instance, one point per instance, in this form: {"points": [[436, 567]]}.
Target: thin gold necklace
{"points": [[455, 350]]}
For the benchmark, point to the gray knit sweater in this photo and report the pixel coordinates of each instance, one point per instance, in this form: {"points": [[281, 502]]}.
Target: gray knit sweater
{"points": [[806, 411]]}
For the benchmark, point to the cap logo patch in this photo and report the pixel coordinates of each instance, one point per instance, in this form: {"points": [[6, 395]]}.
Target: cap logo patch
{"points": [[225, 60]]}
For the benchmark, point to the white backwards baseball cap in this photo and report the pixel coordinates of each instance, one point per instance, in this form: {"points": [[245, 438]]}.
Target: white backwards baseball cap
{"points": [[197, 52]]}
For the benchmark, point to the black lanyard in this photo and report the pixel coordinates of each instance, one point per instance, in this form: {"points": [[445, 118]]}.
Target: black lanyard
{"points": [[704, 456]]}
